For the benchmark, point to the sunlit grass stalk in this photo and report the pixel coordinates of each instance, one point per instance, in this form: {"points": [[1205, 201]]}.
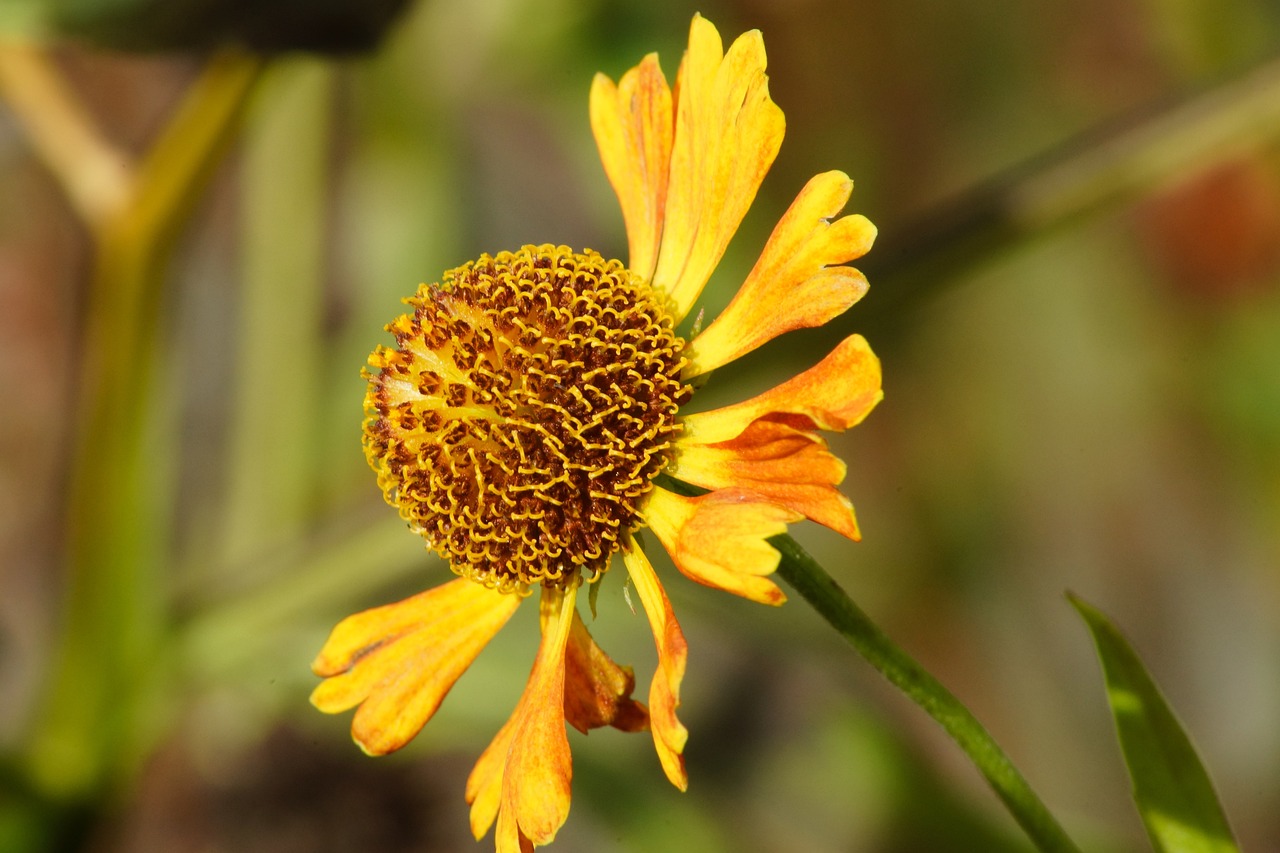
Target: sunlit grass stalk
{"points": [[818, 588]]}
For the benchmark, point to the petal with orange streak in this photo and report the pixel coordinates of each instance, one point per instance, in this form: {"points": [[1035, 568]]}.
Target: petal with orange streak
{"points": [[669, 734], [786, 465], [727, 133], [537, 777], [718, 539], [597, 692], [633, 125], [399, 661], [796, 283], [834, 394]]}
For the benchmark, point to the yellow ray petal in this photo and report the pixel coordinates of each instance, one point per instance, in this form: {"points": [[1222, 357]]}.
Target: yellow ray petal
{"points": [[788, 466], [509, 838], [539, 769], [632, 123], [484, 785], [834, 394], [718, 539], [669, 734], [795, 284], [597, 692], [399, 661], [727, 134]]}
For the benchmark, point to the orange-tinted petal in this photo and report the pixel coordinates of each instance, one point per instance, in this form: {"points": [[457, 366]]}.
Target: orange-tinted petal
{"points": [[795, 284], [536, 780], [727, 133], [399, 661], [788, 466], [632, 122], [524, 776], [718, 539], [597, 692], [669, 734], [834, 394]]}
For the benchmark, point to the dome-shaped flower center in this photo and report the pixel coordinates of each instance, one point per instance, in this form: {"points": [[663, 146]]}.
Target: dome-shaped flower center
{"points": [[529, 402]]}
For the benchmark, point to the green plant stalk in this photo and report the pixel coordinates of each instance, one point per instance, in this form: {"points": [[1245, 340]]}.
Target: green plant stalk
{"points": [[818, 588], [115, 603], [271, 474]]}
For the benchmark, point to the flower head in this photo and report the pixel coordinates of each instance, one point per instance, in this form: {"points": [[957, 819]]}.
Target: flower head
{"points": [[532, 398]]}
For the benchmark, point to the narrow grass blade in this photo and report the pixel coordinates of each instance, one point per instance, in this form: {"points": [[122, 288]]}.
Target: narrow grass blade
{"points": [[1170, 785]]}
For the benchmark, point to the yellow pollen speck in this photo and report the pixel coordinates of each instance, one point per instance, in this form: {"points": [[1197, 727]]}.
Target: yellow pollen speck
{"points": [[529, 402]]}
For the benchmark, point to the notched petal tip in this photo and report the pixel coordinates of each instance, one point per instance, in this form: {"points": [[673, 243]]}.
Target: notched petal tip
{"points": [[727, 135], [798, 281], [719, 539], [399, 661], [788, 466], [834, 395]]}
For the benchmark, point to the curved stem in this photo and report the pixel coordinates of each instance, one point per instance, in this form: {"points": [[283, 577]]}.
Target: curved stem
{"points": [[818, 588]]}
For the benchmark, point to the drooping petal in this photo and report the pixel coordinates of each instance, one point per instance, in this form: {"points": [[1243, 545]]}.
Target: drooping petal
{"points": [[727, 134], [796, 283], [718, 539], [834, 394], [669, 734], [399, 661], [632, 122], [524, 776], [597, 692], [536, 780], [788, 466]]}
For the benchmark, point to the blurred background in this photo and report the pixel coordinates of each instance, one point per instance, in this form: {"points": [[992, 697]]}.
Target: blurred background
{"points": [[1082, 378]]}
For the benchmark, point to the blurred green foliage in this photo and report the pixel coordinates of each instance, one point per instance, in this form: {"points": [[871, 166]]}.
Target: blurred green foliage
{"points": [[1170, 786]]}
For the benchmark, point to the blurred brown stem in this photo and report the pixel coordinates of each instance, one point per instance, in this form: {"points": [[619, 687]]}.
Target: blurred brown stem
{"points": [[1100, 169]]}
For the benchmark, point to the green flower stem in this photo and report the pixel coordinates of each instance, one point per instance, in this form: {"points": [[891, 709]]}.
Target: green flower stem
{"points": [[117, 516], [818, 588]]}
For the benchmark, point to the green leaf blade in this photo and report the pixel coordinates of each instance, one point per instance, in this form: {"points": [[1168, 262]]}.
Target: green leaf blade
{"points": [[1171, 788]]}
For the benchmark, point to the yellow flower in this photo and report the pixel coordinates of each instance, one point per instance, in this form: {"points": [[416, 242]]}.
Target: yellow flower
{"points": [[533, 397]]}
